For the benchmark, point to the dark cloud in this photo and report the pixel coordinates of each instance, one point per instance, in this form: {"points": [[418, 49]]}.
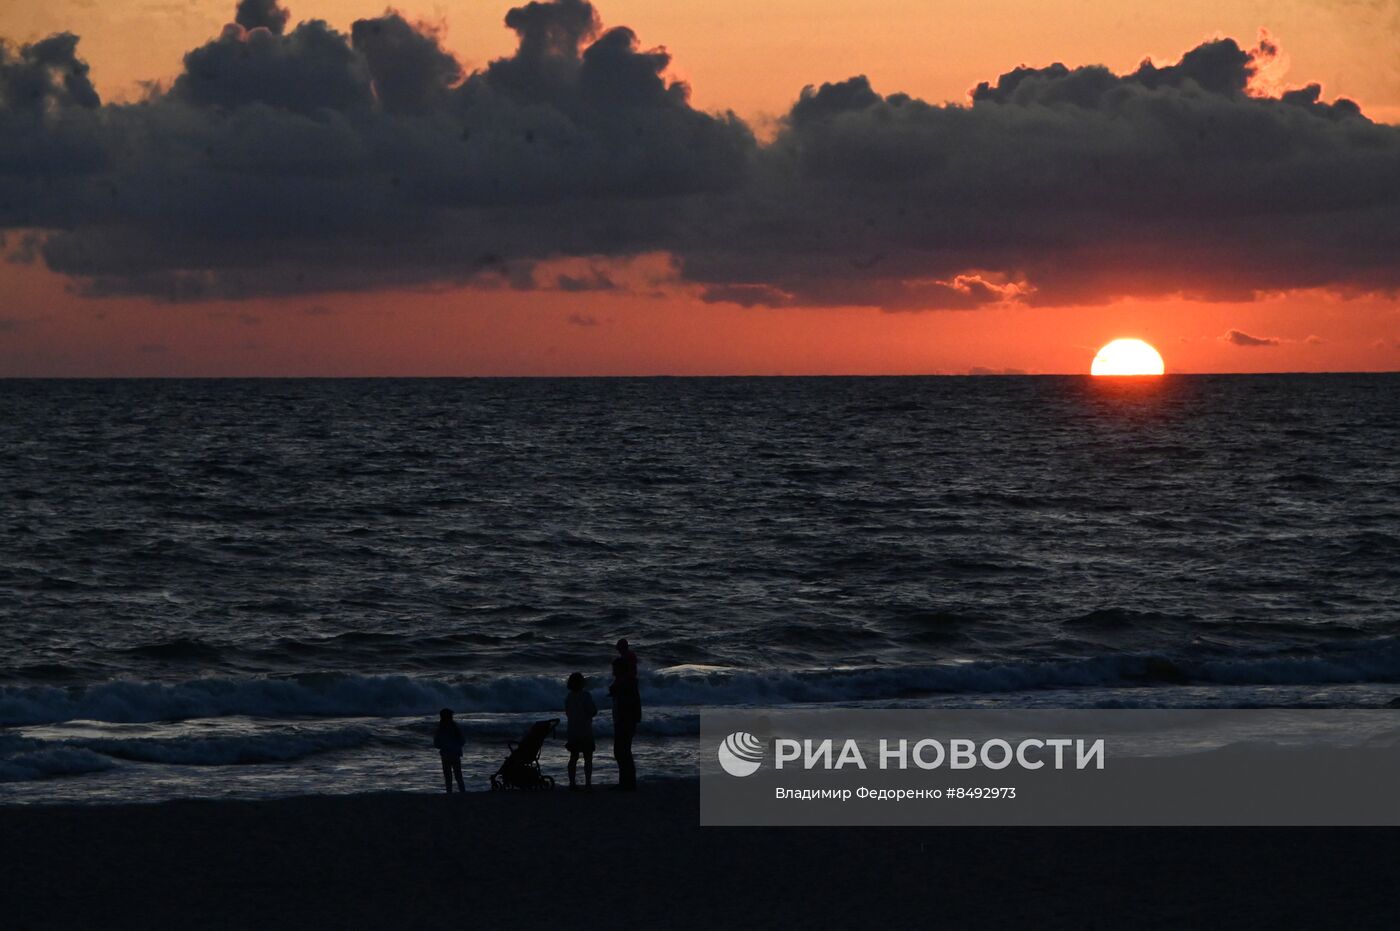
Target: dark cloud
{"points": [[44, 76], [26, 249], [410, 70], [594, 280], [14, 324], [261, 14], [582, 320], [547, 63], [1238, 338], [1072, 185], [1221, 68], [310, 72], [310, 160]]}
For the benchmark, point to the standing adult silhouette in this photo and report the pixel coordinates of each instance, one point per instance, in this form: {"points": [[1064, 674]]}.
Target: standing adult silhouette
{"points": [[627, 713], [449, 741]]}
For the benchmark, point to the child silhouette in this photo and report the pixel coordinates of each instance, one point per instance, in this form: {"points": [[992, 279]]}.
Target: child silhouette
{"points": [[580, 710]]}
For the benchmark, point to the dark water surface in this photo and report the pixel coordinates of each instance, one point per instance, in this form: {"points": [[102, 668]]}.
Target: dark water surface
{"points": [[255, 587]]}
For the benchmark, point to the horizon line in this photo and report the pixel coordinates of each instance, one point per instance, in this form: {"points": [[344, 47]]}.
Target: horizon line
{"points": [[663, 375]]}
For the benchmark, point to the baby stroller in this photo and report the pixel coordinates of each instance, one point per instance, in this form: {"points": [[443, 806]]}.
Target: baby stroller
{"points": [[521, 770]]}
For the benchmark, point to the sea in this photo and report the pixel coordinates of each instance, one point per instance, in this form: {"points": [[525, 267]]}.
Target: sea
{"points": [[249, 588]]}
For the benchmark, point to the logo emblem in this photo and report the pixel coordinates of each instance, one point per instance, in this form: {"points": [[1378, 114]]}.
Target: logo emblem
{"points": [[741, 754]]}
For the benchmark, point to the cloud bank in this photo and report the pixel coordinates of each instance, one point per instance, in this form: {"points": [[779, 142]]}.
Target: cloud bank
{"points": [[300, 158], [1240, 338]]}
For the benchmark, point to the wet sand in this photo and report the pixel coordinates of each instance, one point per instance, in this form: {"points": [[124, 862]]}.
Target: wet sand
{"points": [[613, 859]]}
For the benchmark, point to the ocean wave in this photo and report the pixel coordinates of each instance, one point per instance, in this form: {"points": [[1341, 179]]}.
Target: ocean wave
{"points": [[25, 759], [1376, 660], [232, 749], [316, 695], [49, 762], [346, 695]]}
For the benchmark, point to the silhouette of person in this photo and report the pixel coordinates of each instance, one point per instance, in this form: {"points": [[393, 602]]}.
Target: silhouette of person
{"points": [[580, 710], [627, 713], [449, 741]]}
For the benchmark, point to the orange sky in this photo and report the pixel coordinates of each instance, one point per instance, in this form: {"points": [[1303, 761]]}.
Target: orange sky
{"points": [[519, 333], [751, 57]]}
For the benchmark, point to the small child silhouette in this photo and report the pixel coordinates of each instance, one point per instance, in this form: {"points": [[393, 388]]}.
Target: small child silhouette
{"points": [[449, 741], [580, 710]]}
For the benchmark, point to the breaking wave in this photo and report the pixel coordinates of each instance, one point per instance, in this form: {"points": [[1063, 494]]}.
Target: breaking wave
{"points": [[347, 695], [34, 760]]}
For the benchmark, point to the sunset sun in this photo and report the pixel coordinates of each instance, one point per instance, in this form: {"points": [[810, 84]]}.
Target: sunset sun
{"points": [[1127, 357]]}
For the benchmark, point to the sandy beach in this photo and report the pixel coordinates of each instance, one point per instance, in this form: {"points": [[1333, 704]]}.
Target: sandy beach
{"points": [[607, 858]]}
